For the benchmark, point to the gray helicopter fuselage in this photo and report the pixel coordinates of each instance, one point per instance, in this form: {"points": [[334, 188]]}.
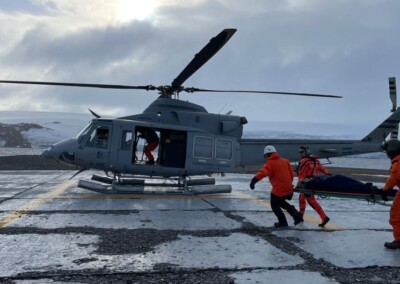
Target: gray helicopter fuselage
{"points": [[192, 142]]}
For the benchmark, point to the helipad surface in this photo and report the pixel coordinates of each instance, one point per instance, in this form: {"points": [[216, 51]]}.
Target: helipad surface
{"points": [[53, 232]]}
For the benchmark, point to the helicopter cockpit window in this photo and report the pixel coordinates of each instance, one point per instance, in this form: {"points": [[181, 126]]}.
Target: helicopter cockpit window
{"points": [[126, 141], [84, 132], [99, 137], [203, 147]]}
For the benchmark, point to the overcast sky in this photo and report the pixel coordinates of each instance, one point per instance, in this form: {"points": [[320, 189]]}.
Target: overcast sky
{"points": [[341, 47]]}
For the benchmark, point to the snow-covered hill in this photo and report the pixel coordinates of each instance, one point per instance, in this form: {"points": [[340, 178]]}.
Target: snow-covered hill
{"points": [[54, 127], [11, 134]]}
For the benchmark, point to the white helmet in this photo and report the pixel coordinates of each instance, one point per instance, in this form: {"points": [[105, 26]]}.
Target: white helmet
{"points": [[269, 149]]}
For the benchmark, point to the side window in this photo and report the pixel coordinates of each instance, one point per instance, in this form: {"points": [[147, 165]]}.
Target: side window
{"points": [[224, 149], [203, 147], [99, 137], [126, 140]]}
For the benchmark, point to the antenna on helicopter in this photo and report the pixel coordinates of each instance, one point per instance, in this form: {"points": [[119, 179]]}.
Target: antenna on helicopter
{"points": [[223, 108], [78, 172]]}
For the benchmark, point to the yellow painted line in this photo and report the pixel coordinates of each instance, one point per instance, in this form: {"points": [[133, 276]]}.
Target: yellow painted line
{"points": [[330, 226], [22, 211], [256, 200]]}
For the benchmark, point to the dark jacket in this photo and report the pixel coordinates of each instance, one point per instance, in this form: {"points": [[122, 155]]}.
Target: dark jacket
{"points": [[150, 135]]}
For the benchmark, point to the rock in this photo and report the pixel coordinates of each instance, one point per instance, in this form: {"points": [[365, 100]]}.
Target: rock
{"points": [[11, 134]]}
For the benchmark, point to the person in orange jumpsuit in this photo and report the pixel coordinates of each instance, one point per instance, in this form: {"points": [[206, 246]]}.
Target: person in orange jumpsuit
{"points": [[309, 167], [280, 174], [152, 141], [392, 149]]}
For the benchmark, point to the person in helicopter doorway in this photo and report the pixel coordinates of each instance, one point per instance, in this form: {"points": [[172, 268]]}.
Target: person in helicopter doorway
{"points": [[392, 149], [309, 167], [152, 141], [280, 175]]}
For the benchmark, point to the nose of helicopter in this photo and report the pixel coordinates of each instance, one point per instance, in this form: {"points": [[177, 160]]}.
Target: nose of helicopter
{"points": [[64, 151], [51, 153], [48, 154]]}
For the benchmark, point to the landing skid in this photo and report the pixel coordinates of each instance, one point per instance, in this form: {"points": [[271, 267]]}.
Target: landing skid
{"points": [[181, 186]]}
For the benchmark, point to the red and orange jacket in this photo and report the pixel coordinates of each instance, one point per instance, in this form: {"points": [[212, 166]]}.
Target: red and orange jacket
{"points": [[394, 178], [280, 175], [309, 167]]}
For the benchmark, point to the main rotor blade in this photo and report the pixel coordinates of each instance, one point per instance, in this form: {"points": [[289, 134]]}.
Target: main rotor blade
{"points": [[192, 90], [103, 86], [208, 51]]}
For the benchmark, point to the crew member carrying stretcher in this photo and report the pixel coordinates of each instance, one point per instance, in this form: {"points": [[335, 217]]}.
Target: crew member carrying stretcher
{"points": [[280, 175], [309, 167], [392, 149]]}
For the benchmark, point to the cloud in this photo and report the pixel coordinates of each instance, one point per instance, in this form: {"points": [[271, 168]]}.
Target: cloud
{"points": [[333, 47]]}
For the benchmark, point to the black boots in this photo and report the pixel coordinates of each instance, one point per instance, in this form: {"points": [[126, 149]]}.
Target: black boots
{"points": [[326, 220], [393, 245], [280, 225], [298, 218], [150, 162]]}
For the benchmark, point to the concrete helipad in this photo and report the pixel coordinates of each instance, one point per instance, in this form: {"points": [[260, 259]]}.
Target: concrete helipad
{"points": [[53, 232]]}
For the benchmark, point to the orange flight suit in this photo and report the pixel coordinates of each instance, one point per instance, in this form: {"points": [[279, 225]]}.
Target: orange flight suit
{"points": [[309, 167], [392, 181], [280, 175]]}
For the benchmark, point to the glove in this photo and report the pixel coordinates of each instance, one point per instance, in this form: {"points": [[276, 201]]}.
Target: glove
{"points": [[253, 182], [384, 195]]}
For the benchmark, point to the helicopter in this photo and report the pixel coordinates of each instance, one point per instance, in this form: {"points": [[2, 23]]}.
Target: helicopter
{"points": [[191, 141]]}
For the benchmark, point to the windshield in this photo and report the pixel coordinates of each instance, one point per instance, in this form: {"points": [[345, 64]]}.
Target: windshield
{"points": [[83, 133]]}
